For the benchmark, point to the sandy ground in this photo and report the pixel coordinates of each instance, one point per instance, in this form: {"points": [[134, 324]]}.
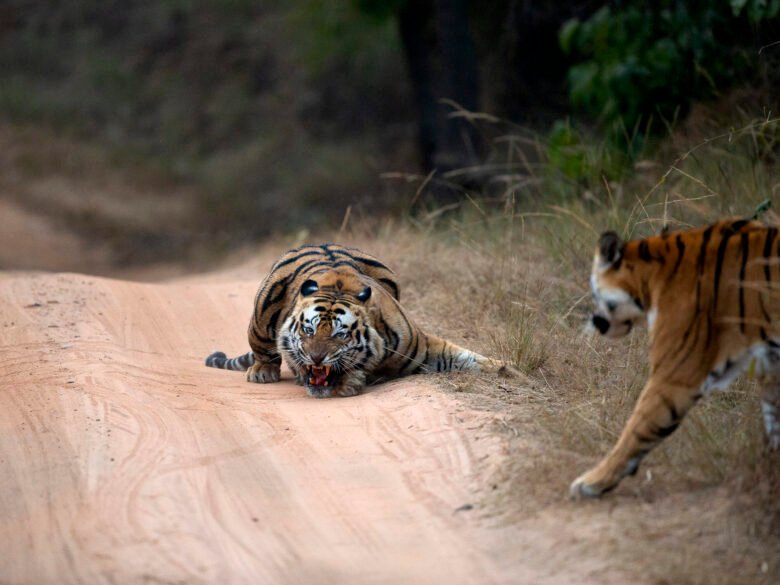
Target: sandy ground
{"points": [[47, 246], [124, 460]]}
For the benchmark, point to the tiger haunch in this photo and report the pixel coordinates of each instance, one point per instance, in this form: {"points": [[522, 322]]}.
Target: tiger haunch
{"points": [[333, 314], [712, 311]]}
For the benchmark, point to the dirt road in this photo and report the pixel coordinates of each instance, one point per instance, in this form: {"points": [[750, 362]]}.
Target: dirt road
{"points": [[124, 460]]}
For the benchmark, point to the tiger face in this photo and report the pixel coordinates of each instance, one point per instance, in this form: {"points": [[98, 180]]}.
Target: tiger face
{"points": [[617, 305], [328, 339]]}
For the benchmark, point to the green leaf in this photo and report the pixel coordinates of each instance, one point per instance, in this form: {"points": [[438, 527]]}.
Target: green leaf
{"points": [[567, 33], [737, 6]]}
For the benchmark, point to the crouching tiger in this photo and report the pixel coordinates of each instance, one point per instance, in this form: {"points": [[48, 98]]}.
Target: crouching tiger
{"points": [[333, 314], [712, 310]]}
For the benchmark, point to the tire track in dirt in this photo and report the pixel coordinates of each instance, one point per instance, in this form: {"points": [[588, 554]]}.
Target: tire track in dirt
{"points": [[125, 460]]}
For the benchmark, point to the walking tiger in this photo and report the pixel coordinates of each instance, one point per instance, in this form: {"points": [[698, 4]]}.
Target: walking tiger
{"points": [[712, 310]]}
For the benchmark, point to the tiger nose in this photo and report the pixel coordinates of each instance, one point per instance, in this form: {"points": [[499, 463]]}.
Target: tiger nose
{"points": [[600, 323], [317, 357]]}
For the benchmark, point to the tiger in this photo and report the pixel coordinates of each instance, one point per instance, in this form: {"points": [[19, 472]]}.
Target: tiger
{"points": [[707, 295], [334, 315]]}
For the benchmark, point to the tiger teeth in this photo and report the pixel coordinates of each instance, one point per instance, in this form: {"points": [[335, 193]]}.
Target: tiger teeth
{"points": [[319, 374]]}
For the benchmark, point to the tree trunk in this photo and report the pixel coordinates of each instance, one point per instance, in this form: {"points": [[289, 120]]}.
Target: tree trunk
{"points": [[414, 23], [459, 142], [442, 64]]}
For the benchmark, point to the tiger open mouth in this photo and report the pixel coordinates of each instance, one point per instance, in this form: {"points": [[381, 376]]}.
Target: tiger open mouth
{"points": [[320, 376]]}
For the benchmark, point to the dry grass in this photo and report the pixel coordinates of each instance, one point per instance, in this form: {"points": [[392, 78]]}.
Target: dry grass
{"points": [[705, 507]]}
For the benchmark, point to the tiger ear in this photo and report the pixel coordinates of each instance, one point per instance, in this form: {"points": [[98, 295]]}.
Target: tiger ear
{"points": [[610, 248], [364, 294], [309, 287]]}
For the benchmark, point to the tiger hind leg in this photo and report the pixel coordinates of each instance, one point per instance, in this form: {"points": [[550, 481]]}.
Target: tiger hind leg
{"points": [[444, 356], [492, 366], [770, 407], [657, 414]]}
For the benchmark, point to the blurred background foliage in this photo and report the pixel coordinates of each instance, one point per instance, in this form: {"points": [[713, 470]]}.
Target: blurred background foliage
{"points": [[639, 68], [286, 114]]}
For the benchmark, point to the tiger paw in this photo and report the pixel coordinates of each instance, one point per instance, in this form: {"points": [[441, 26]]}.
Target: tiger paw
{"points": [[505, 369], [263, 373], [343, 390], [502, 369], [603, 478], [581, 488], [351, 385]]}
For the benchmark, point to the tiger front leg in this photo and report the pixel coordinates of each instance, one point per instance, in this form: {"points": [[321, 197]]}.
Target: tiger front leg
{"points": [[267, 364], [263, 372], [262, 342], [770, 407], [657, 414]]}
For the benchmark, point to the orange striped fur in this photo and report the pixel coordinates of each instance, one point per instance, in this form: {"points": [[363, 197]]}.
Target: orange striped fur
{"points": [[712, 311], [333, 314]]}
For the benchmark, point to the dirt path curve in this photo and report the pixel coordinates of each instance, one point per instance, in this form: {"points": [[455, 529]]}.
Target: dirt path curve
{"points": [[124, 460]]}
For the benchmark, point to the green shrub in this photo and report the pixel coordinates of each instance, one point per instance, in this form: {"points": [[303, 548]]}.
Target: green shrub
{"points": [[581, 159], [641, 65]]}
